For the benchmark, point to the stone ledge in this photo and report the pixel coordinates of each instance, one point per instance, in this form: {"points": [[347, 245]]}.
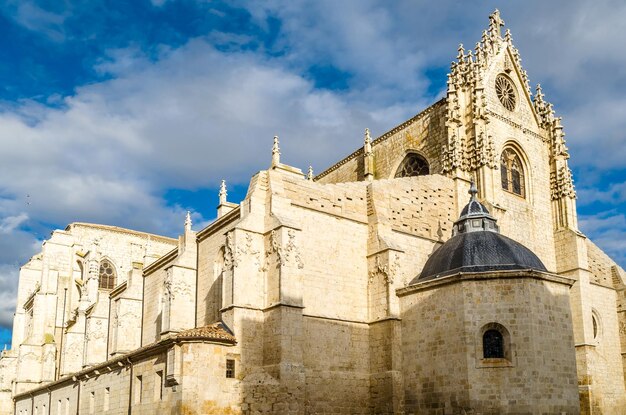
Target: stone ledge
{"points": [[489, 275]]}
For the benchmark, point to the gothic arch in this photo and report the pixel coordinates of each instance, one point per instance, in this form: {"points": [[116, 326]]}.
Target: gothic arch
{"points": [[107, 274], [414, 163], [514, 170]]}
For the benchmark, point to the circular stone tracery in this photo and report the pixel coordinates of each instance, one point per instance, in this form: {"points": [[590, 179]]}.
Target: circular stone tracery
{"points": [[506, 92]]}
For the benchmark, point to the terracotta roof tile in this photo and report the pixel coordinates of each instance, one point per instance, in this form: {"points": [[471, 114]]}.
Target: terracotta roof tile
{"points": [[215, 331]]}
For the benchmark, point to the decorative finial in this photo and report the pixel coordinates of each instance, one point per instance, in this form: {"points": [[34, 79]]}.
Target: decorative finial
{"points": [[507, 36], [223, 193], [275, 152], [539, 93], [461, 54], [472, 190], [367, 146], [309, 175], [496, 22], [188, 221]]}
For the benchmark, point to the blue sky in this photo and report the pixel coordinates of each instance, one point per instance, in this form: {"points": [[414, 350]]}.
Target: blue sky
{"points": [[131, 113]]}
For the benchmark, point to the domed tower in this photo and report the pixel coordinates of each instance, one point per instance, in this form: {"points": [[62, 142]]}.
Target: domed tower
{"points": [[486, 328], [477, 246]]}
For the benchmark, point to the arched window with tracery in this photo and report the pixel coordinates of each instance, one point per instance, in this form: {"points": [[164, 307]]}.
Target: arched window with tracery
{"points": [[107, 275], [413, 165], [512, 172]]}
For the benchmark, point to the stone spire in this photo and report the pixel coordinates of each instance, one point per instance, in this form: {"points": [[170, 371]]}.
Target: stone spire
{"points": [[367, 146], [309, 175], [188, 221], [275, 152], [223, 194], [368, 155], [224, 206]]}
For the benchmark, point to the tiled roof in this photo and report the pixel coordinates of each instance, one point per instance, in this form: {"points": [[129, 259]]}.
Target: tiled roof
{"points": [[215, 331]]}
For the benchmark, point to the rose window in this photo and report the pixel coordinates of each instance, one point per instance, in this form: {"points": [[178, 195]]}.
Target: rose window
{"points": [[506, 92]]}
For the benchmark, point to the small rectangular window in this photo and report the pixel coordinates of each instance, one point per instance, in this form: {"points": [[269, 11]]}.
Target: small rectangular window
{"points": [[107, 393], [59, 406], [230, 368], [67, 406]]}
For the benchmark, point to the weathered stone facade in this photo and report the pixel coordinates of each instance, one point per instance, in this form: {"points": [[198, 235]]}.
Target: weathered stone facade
{"points": [[304, 298]]}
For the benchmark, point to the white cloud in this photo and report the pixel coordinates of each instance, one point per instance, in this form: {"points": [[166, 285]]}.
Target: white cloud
{"points": [[10, 223], [607, 230], [35, 18]]}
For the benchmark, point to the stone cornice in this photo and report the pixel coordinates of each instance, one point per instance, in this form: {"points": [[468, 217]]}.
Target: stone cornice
{"points": [[477, 276], [217, 224], [117, 229], [170, 256]]}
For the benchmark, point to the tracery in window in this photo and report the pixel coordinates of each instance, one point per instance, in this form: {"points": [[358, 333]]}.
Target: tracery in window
{"points": [[413, 165], [505, 90], [107, 275], [493, 344], [512, 172]]}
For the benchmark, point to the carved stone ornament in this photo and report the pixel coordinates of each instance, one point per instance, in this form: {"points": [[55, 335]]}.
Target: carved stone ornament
{"points": [[387, 271], [231, 260], [289, 254], [292, 253], [172, 288], [562, 184]]}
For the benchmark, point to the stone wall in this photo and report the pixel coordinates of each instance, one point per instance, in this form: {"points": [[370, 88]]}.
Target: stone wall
{"points": [[444, 371]]}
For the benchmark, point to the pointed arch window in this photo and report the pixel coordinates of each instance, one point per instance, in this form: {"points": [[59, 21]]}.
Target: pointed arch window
{"points": [[107, 275], [413, 165], [512, 172]]}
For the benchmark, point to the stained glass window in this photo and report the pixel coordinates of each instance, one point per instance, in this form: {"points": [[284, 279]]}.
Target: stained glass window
{"points": [[511, 172], [412, 165], [107, 275], [493, 344]]}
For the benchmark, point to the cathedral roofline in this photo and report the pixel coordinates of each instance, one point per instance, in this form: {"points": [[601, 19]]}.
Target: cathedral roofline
{"points": [[158, 264], [213, 333], [382, 138], [120, 230]]}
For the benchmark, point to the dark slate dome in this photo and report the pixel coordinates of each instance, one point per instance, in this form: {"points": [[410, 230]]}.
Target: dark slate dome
{"points": [[477, 246]]}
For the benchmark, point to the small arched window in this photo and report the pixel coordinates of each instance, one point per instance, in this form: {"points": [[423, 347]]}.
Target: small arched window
{"points": [[413, 165], [493, 344], [512, 172], [107, 275]]}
